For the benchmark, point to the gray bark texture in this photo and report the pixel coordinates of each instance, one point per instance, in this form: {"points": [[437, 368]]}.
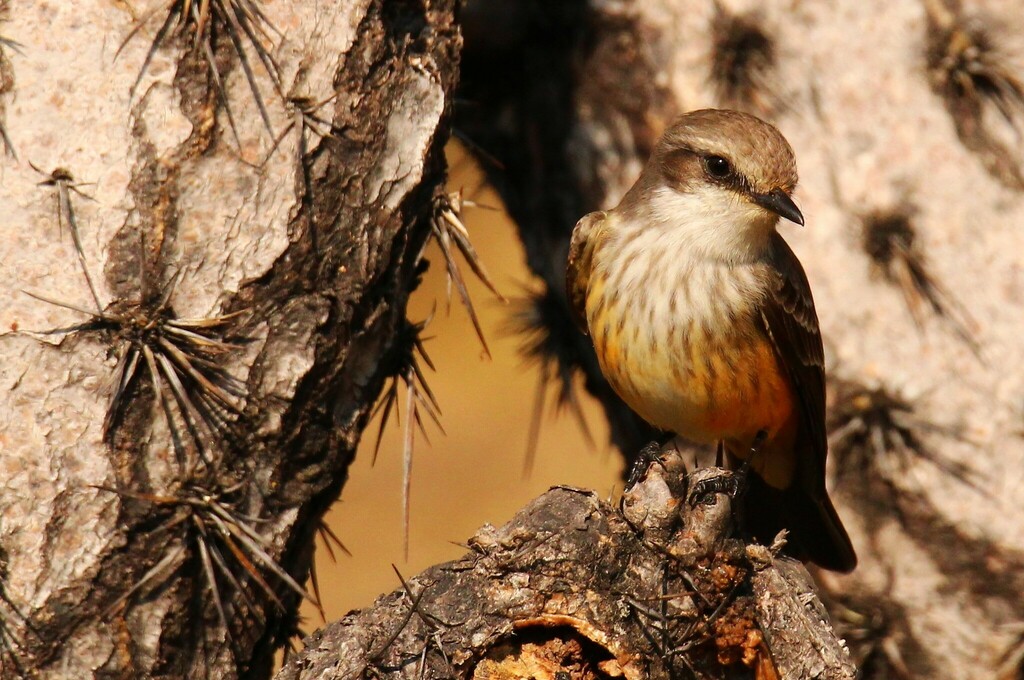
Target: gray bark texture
{"points": [[905, 118], [572, 587], [212, 214]]}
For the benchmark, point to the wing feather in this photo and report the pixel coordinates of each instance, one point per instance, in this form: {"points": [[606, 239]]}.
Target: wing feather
{"points": [[585, 235], [792, 323]]}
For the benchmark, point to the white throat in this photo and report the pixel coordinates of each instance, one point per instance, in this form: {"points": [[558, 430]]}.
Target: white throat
{"points": [[709, 222]]}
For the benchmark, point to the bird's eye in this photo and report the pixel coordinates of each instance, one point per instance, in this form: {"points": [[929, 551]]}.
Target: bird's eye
{"points": [[717, 167]]}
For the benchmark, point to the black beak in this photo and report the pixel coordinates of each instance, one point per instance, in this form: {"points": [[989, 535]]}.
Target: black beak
{"points": [[779, 202]]}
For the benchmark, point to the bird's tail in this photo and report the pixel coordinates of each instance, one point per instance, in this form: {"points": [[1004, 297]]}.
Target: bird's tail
{"points": [[816, 533]]}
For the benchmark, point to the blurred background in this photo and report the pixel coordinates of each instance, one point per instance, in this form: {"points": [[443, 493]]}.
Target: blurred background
{"points": [[907, 120], [475, 473]]}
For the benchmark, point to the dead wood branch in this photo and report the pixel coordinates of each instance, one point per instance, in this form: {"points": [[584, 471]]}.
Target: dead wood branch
{"points": [[573, 587]]}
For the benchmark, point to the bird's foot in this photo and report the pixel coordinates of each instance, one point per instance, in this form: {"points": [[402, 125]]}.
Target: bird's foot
{"points": [[734, 485], [705, 490], [755, 449], [647, 456]]}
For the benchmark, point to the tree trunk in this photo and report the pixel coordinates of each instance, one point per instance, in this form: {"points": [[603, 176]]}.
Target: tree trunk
{"points": [[905, 120], [205, 277]]}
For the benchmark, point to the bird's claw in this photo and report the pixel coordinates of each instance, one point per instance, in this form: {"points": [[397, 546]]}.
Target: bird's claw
{"points": [[647, 456], [705, 490], [734, 485]]}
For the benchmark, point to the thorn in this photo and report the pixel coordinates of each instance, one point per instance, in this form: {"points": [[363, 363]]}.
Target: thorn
{"points": [[890, 240], [246, 27], [547, 342], [448, 229], [975, 77]]}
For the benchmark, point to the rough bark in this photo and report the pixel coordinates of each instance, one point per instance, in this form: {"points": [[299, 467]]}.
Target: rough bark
{"points": [[144, 546], [905, 120], [572, 587]]}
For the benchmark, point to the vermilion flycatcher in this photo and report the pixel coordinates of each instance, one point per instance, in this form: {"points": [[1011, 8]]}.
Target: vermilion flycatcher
{"points": [[703, 321]]}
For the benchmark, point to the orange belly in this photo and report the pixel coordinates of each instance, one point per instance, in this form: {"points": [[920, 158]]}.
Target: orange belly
{"points": [[713, 384]]}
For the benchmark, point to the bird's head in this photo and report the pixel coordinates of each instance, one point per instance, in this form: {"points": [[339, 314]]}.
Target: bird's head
{"points": [[720, 180]]}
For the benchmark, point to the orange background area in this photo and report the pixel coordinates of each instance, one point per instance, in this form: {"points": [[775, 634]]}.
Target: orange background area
{"points": [[474, 474]]}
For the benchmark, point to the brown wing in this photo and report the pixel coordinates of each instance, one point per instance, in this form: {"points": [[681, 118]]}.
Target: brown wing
{"points": [[585, 235], [792, 323]]}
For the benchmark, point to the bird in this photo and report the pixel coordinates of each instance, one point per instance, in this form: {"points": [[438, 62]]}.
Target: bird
{"points": [[703, 322]]}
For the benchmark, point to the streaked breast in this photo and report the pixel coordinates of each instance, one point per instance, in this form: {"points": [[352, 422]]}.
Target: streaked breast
{"points": [[680, 341]]}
